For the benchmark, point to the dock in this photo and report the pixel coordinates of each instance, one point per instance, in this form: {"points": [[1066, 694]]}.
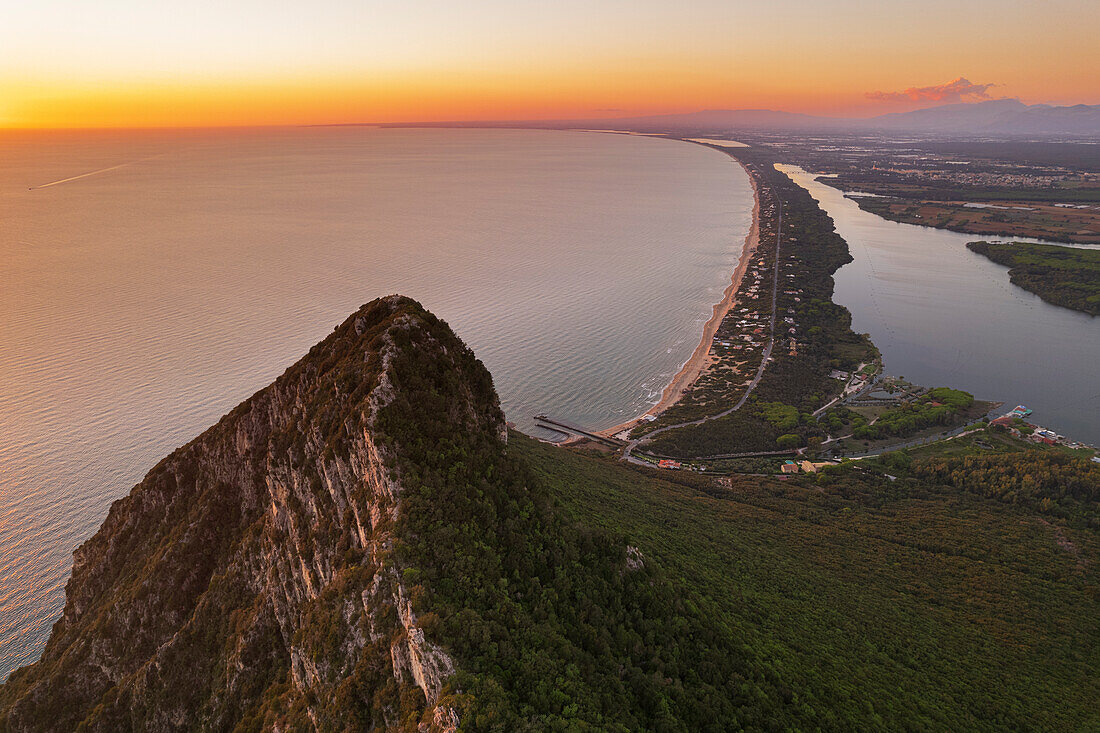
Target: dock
{"points": [[560, 426]]}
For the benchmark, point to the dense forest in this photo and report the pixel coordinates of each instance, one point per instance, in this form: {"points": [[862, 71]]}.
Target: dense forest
{"points": [[1062, 276], [871, 601], [1048, 481], [583, 593]]}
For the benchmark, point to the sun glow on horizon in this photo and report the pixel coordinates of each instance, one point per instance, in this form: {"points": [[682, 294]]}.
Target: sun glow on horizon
{"points": [[123, 63]]}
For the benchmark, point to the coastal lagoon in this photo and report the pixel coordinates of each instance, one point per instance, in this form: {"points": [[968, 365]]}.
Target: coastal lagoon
{"points": [[945, 316], [152, 281]]}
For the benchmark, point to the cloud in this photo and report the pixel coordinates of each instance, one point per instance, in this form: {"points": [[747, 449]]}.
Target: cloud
{"points": [[960, 90]]}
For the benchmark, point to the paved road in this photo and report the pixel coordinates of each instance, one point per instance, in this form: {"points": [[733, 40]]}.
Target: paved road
{"points": [[632, 444], [844, 395]]}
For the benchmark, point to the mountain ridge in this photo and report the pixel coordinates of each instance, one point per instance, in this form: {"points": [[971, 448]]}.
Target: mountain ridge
{"points": [[352, 548], [997, 116], [235, 536], [1007, 117]]}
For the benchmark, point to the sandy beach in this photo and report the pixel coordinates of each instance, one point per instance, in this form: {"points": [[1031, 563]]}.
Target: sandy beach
{"points": [[700, 359]]}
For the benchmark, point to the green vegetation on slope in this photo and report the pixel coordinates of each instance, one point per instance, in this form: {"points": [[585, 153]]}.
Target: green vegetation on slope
{"points": [[554, 625], [1060, 275], [1051, 482], [864, 602]]}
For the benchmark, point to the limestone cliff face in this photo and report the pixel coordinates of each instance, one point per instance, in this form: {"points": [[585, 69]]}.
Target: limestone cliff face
{"points": [[250, 581]]}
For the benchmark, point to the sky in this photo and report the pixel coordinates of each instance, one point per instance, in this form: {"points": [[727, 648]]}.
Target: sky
{"points": [[138, 63]]}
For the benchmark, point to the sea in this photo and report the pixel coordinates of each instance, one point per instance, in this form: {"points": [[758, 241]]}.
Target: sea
{"points": [[151, 280]]}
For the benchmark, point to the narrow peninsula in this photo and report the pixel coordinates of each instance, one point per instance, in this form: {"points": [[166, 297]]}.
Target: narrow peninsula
{"points": [[1064, 276]]}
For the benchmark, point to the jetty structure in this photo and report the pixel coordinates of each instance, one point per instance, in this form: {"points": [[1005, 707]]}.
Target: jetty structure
{"points": [[560, 426]]}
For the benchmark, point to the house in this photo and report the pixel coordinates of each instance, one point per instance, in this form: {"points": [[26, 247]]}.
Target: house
{"points": [[789, 467], [668, 464]]}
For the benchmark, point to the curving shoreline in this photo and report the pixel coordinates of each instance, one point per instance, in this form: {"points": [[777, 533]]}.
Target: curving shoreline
{"points": [[700, 359]]}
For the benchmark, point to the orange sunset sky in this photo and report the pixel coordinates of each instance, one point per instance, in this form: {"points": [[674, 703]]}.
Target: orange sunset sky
{"points": [[127, 63]]}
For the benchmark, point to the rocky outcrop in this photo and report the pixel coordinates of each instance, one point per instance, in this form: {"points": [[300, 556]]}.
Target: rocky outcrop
{"points": [[251, 579], [635, 560]]}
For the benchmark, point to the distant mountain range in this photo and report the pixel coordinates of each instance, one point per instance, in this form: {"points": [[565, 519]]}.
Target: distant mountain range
{"points": [[994, 117]]}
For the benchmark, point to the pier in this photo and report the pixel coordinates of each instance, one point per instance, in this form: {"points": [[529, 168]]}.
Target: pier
{"points": [[559, 426]]}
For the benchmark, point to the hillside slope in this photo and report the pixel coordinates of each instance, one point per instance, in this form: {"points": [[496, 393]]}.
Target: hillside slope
{"points": [[354, 548], [195, 604], [362, 546], [878, 604]]}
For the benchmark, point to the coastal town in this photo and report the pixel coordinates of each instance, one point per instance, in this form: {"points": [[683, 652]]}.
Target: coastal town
{"points": [[779, 388]]}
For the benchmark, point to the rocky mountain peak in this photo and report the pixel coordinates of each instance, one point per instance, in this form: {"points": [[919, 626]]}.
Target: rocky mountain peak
{"points": [[250, 581]]}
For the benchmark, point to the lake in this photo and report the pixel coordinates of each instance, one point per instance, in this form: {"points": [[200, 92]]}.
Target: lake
{"points": [[151, 281], [945, 316]]}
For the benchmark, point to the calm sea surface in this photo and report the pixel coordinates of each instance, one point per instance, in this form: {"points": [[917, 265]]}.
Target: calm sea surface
{"points": [[139, 304], [945, 316]]}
